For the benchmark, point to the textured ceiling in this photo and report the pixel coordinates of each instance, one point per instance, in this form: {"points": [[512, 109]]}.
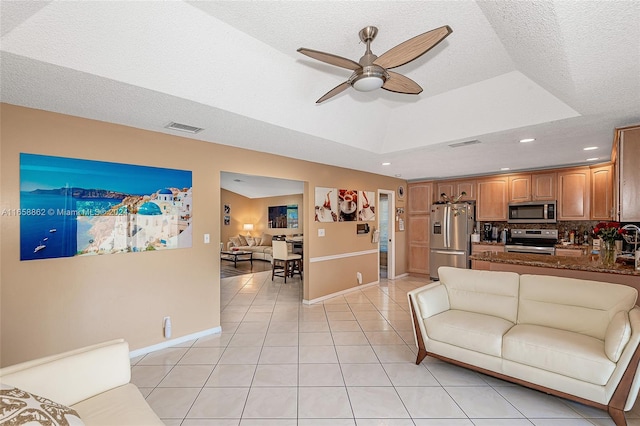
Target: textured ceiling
{"points": [[566, 73]]}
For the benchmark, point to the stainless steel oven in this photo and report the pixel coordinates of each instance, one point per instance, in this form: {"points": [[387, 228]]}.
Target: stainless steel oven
{"points": [[533, 241]]}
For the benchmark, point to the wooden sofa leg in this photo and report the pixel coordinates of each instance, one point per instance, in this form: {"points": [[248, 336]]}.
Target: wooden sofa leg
{"points": [[422, 354], [617, 416]]}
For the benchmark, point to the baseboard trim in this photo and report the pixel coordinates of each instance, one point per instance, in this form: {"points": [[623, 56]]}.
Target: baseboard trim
{"points": [[339, 293], [173, 342], [400, 276]]}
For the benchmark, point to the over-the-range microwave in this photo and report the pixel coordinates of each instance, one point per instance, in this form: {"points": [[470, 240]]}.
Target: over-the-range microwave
{"points": [[533, 212]]}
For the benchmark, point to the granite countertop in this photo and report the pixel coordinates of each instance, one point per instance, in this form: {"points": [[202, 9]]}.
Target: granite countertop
{"points": [[489, 243], [589, 263], [574, 247]]}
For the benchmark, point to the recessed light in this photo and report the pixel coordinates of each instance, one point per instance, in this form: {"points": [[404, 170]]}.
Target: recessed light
{"points": [[386, 164], [590, 148], [527, 140], [504, 168], [592, 159]]}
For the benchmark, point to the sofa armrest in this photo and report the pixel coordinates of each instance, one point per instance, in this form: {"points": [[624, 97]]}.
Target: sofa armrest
{"points": [[617, 335], [430, 300], [73, 376], [628, 354]]}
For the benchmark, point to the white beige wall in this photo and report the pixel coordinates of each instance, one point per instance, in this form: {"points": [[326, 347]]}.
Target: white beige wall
{"points": [[52, 305]]}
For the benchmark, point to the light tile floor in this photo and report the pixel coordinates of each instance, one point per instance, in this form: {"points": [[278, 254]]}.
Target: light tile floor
{"points": [[347, 361]]}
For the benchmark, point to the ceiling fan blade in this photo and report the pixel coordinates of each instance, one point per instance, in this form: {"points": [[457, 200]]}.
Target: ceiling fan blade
{"points": [[401, 84], [331, 93], [338, 61], [412, 48]]}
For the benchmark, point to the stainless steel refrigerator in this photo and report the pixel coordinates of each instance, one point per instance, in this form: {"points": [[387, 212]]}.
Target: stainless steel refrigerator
{"points": [[450, 239]]}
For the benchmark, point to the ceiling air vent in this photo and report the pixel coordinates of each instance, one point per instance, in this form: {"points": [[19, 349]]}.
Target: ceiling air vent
{"points": [[465, 143], [183, 127]]}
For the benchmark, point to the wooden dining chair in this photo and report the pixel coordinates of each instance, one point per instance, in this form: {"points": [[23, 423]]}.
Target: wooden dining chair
{"points": [[288, 263]]}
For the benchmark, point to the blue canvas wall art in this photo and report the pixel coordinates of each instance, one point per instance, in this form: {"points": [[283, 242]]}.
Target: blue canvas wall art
{"points": [[73, 207]]}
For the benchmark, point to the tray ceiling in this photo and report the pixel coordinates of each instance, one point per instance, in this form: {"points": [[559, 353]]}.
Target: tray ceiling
{"points": [[565, 73]]}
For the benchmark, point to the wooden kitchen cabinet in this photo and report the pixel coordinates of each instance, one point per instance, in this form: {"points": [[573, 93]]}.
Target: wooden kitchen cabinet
{"points": [[532, 187], [420, 198], [628, 173], [574, 194], [493, 196], [418, 228], [602, 192], [481, 248], [455, 188], [543, 186], [519, 188]]}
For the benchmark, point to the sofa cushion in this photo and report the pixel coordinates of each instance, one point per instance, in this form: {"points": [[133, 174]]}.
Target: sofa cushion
{"points": [[571, 304], [484, 292], [617, 335], [469, 330], [24, 408], [235, 241], [243, 240], [251, 242], [558, 351], [122, 406], [258, 240]]}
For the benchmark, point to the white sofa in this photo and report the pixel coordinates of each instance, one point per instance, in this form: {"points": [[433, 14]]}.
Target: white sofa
{"points": [[572, 338], [94, 381]]}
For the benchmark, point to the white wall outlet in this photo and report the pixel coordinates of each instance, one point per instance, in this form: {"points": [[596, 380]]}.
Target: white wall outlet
{"points": [[321, 232], [359, 277], [207, 239]]}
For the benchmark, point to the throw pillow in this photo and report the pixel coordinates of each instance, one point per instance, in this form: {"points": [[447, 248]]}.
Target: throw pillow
{"points": [[250, 241], [18, 407], [243, 240], [235, 241], [258, 240], [267, 240]]}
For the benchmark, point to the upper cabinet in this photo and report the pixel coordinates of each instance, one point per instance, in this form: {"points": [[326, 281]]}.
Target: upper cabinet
{"points": [[519, 188], [532, 187], [419, 198], [628, 173], [574, 192], [455, 188], [543, 186], [602, 192], [493, 196]]}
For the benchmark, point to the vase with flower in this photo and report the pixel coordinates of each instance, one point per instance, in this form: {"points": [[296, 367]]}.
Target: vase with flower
{"points": [[608, 232]]}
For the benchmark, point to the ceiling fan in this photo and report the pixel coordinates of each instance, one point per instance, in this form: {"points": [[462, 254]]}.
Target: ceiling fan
{"points": [[372, 72]]}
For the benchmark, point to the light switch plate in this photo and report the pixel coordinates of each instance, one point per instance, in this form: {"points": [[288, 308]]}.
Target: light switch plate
{"points": [[207, 239], [321, 232]]}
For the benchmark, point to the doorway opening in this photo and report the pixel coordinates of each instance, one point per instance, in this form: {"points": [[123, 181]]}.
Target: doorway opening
{"points": [[386, 254]]}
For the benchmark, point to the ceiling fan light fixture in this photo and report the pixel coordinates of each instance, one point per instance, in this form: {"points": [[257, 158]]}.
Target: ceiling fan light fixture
{"points": [[368, 78], [367, 84]]}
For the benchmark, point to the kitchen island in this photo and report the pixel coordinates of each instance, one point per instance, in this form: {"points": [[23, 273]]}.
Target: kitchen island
{"points": [[583, 267]]}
